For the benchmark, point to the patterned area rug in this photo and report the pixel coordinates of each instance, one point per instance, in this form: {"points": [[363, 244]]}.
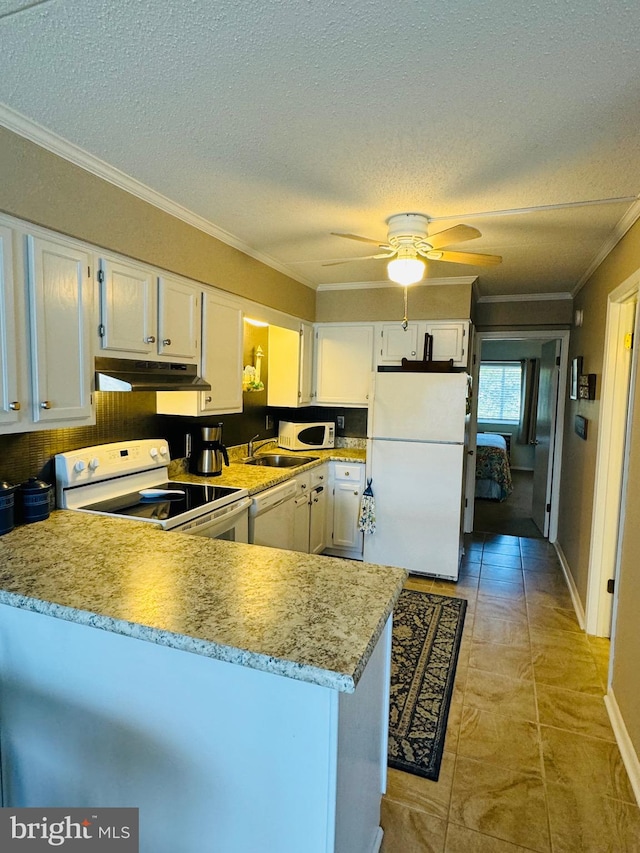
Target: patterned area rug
{"points": [[427, 629]]}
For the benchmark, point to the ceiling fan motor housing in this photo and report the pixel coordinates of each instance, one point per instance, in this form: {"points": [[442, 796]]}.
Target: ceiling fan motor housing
{"points": [[407, 228]]}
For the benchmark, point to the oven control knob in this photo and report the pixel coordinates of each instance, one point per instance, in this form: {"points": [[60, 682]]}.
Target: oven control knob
{"points": [[153, 453], [94, 463], [164, 450], [79, 466]]}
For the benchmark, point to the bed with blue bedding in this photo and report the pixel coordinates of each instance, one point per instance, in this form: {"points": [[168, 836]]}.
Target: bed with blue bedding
{"points": [[493, 472]]}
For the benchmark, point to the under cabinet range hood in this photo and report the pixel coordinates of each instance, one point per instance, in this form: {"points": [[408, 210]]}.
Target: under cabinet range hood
{"points": [[122, 374]]}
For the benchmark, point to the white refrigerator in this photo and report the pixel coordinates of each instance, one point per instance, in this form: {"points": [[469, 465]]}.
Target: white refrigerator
{"points": [[416, 445]]}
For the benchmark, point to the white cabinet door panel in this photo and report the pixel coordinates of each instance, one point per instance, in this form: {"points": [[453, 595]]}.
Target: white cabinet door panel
{"points": [[221, 355], [449, 341], [397, 343], [128, 308], [60, 312], [178, 319], [344, 364], [12, 403]]}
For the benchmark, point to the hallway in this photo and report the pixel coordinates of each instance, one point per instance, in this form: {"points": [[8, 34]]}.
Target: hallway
{"points": [[530, 760]]}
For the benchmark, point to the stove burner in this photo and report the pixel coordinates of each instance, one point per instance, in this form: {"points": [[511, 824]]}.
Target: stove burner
{"points": [[188, 496]]}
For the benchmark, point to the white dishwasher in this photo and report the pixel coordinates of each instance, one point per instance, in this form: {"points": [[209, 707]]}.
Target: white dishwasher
{"points": [[271, 516]]}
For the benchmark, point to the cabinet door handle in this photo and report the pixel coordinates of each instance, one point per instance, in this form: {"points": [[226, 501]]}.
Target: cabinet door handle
{"points": [[150, 340], [208, 399], [45, 404], [15, 406], [166, 342], [355, 493]]}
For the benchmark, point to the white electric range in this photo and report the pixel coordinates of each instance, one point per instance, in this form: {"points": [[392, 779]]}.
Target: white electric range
{"points": [[130, 479]]}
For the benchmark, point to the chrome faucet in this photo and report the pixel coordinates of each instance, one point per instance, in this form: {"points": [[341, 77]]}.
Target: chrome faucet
{"points": [[250, 446]]}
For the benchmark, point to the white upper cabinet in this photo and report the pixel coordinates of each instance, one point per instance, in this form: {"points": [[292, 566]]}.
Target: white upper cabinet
{"points": [[397, 343], [128, 321], [13, 402], [146, 316], [60, 311], [290, 374], [178, 319], [220, 365], [344, 361], [222, 337], [450, 340]]}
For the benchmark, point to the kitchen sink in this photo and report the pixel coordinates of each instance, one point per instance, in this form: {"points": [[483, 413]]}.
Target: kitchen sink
{"points": [[280, 460]]}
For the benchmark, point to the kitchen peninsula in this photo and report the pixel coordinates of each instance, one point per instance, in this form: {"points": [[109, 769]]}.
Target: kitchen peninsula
{"points": [[237, 695]]}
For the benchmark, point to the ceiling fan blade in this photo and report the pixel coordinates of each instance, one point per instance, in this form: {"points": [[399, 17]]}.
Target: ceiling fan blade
{"points": [[465, 258], [361, 239], [457, 234], [365, 258]]}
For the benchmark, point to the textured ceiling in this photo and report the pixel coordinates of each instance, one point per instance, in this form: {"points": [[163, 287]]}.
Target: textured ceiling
{"points": [[280, 121]]}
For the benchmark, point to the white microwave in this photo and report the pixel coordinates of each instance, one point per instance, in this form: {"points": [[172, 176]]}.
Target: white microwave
{"points": [[313, 436]]}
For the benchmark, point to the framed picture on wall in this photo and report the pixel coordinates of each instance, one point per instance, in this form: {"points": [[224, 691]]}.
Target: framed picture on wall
{"points": [[576, 370]]}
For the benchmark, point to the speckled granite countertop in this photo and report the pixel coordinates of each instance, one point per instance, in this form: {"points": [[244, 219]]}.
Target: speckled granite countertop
{"points": [[256, 478], [310, 618]]}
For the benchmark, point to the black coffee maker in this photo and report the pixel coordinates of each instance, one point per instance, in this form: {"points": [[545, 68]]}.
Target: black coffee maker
{"points": [[213, 452]]}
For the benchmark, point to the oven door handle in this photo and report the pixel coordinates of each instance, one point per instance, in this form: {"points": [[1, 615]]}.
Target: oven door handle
{"points": [[236, 509]]}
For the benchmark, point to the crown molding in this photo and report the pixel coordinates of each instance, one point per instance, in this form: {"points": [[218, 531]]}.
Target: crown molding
{"points": [[369, 285], [526, 297], [50, 141], [629, 219]]}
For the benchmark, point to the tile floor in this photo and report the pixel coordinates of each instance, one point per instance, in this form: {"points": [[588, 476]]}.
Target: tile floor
{"points": [[530, 760]]}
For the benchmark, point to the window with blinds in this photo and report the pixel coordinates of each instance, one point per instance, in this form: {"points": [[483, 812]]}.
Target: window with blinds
{"points": [[499, 390]]}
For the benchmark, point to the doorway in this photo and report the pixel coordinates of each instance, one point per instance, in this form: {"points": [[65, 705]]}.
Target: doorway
{"points": [[613, 436], [531, 509]]}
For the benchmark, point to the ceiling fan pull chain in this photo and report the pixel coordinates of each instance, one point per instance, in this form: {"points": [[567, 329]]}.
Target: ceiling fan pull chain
{"points": [[405, 319]]}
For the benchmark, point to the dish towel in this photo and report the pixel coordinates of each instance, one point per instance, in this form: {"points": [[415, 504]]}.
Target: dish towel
{"points": [[367, 521]]}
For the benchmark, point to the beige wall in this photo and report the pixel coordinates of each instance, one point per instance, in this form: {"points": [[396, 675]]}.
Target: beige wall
{"points": [[554, 313], [578, 476], [43, 188], [425, 302]]}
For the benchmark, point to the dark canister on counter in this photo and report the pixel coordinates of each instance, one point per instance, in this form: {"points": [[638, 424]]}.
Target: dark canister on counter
{"points": [[7, 507], [34, 500]]}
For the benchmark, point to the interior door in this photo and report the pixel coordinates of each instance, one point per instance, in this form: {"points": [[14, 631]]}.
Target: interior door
{"points": [[545, 435]]}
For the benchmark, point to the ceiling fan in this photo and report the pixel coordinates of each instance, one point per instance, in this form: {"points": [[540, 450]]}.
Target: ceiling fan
{"points": [[408, 242]]}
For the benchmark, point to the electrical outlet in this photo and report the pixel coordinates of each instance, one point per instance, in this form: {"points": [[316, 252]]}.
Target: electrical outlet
{"points": [[340, 421], [268, 424]]}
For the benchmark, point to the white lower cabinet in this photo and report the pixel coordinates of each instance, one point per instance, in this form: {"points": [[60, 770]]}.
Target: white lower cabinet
{"points": [[309, 528], [318, 501], [301, 514], [346, 480]]}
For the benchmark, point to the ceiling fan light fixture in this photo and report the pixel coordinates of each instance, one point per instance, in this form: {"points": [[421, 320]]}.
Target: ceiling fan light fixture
{"points": [[406, 268]]}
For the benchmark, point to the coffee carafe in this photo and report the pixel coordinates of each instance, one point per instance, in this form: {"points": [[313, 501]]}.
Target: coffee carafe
{"points": [[213, 452]]}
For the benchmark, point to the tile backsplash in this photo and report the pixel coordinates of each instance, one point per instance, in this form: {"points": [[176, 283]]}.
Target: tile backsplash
{"points": [[122, 416], [119, 416]]}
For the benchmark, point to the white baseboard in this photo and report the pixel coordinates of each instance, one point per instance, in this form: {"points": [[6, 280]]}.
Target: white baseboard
{"points": [[573, 589], [627, 751]]}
